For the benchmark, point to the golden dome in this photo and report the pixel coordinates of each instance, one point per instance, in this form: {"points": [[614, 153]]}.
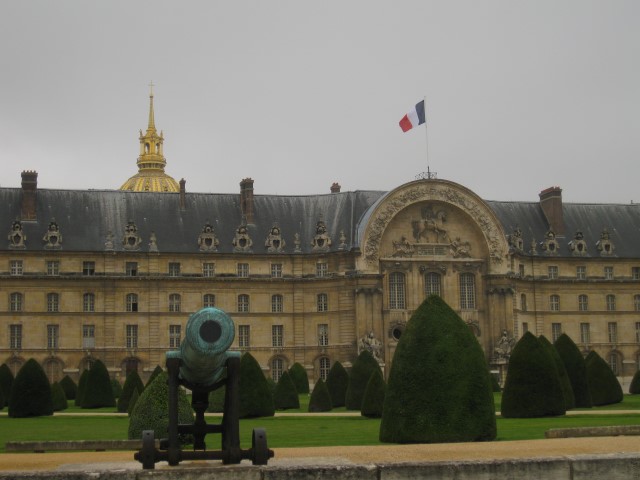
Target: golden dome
{"points": [[151, 162]]}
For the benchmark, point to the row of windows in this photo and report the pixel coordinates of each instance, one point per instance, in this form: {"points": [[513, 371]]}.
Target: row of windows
{"points": [[52, 267], [175, 331], [582, 302], [16, 302], [432, 286], [581, 272]]}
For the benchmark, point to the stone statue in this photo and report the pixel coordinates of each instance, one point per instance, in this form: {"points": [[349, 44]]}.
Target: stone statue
{"points": [[372, 344]]}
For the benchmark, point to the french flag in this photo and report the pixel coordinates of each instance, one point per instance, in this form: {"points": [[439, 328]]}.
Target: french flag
{"points": [[414, 118]]}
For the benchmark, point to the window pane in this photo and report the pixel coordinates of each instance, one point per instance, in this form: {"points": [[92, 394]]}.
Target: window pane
{"points": [[396, 291], [323, 334], [432, 284], [467, 291], [276, 335], [244, 336]]}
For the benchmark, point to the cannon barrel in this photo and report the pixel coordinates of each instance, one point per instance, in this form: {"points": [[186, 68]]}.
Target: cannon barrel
{"points": [[203, 353]]}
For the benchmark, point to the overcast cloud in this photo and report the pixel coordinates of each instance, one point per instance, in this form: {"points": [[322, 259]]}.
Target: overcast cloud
{"points": [[521, 95]]}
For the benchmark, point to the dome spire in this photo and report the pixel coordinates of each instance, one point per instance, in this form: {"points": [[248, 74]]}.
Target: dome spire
{"points": [[152, 123]]}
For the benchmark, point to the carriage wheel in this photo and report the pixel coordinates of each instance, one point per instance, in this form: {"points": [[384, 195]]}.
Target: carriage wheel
{"points": [[259, 447]]}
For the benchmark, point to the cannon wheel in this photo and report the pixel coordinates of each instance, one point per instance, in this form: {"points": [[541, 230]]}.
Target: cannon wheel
{"points": [[148, 452], [259, 446]]}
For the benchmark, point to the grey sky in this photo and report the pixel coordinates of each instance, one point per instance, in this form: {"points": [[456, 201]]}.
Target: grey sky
{"points": [[521, 95]]}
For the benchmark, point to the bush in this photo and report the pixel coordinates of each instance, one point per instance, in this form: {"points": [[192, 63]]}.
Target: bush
{"points": [[532, 387], [565, 383], [361, 371], [495, 385], [337, 383], [576, 370], [131, 384], [285, 396], [603, 384], [300, 378], [634, 388], [255, 395], [151, 411], [116, 388], [439, 388], [69, 386], [373, 399], [82, 386], [98, 392], [6, 380], [133, 400], [3, 397], [58, 397], [156, 371], [216, 400], [30, 392], [320, 400]]}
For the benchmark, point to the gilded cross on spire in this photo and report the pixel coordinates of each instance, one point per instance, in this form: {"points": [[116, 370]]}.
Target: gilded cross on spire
{"points": [[151, 87], [152, 123]]}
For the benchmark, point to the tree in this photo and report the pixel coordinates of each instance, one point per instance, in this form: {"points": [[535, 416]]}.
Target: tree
{"points": [[361, 371], [156, 371], [151, 411], [131, 384], [98, 392], [30, 392], [58, 397], [6, 380], [82, 386], [255, 395], [300, 378], [439, 388], [3, 397], [337, 383], [634, 388], [603, 384], [576, 370], [133, 400], [116, 388], [320, 400], [565, 383], [373, 399], [495, 385], [69, 386], [216, 400], [285, 396]]}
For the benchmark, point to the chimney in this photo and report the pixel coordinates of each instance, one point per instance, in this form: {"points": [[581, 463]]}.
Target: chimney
{"points": [[29, 194], [246, 199], [551, 203], [183, 200], [335, 187]]}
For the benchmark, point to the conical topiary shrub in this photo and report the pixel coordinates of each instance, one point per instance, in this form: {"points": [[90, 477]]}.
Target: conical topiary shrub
{"points": [[116, 388], [3, 398], [132, 401], [532, 387], [151, 411], [6, 380], [69, 386], [439, 388], [634, 388], [337, 383], [576, 370], [156, 371], [373, 399], [58, 397], [300, 378], [82, 385], [30, 392], [361, 371], [320, 400], [255, 395], [565, 383], [216, 400], [98, 391], [285, 396], [603, 384], [131, 384]]}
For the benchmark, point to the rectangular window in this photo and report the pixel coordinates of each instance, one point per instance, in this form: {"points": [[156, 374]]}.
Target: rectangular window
{"points": [[132, 336], [553, 272], [88, 268], [208, 269], [243, 270], [174, 336], [131, 269], [243, 303], [554, 303], [322, 302], [467, 291], [277, 335], [53, 302], [15, 267], [611, 303], [637, 332], [556, 331], [277, 303], [88, 336], [276, 270], [525, 327], [581, 273], [243, 336], [52, 336], [583, 303], [612, 329], [323, 334], [53, 267], [15, 337], [208, 300], [585, 336], [608, 273], [521, 270], [15, 302], [396, 291], [88, 302], [635, 273], [174, 269], [613, 363], [322, 269]]}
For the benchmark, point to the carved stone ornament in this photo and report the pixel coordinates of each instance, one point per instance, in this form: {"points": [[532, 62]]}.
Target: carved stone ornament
{"points": [[605, 245], [550, 245], [370, 343], [504, 346], [297, 243], [578, 246], [131, 240], [321, 240], [515, 240], [460, 249], [533, 247], [402, 248], [153, 243], [53, 237], [108, 242], [207, 241], [274, 242], [343, 241], [242, 241], [16, 236], [430, 228], [433, 190]]}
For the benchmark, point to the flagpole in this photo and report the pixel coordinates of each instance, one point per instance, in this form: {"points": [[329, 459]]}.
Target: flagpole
{"points": [[426, 134]]}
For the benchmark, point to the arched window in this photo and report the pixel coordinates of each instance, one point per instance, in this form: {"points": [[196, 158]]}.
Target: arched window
{"points": [[243, 303], [325, 365], [554, 303], [396, 291], [209, 300], [432, 284], [53, 302], [611, 303], [88, 302], [175, 302], [15, 302], [523, 302], [583, 303], [276, 303], [467, 291], [132, 302], [277, 367], [322, 302]]}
